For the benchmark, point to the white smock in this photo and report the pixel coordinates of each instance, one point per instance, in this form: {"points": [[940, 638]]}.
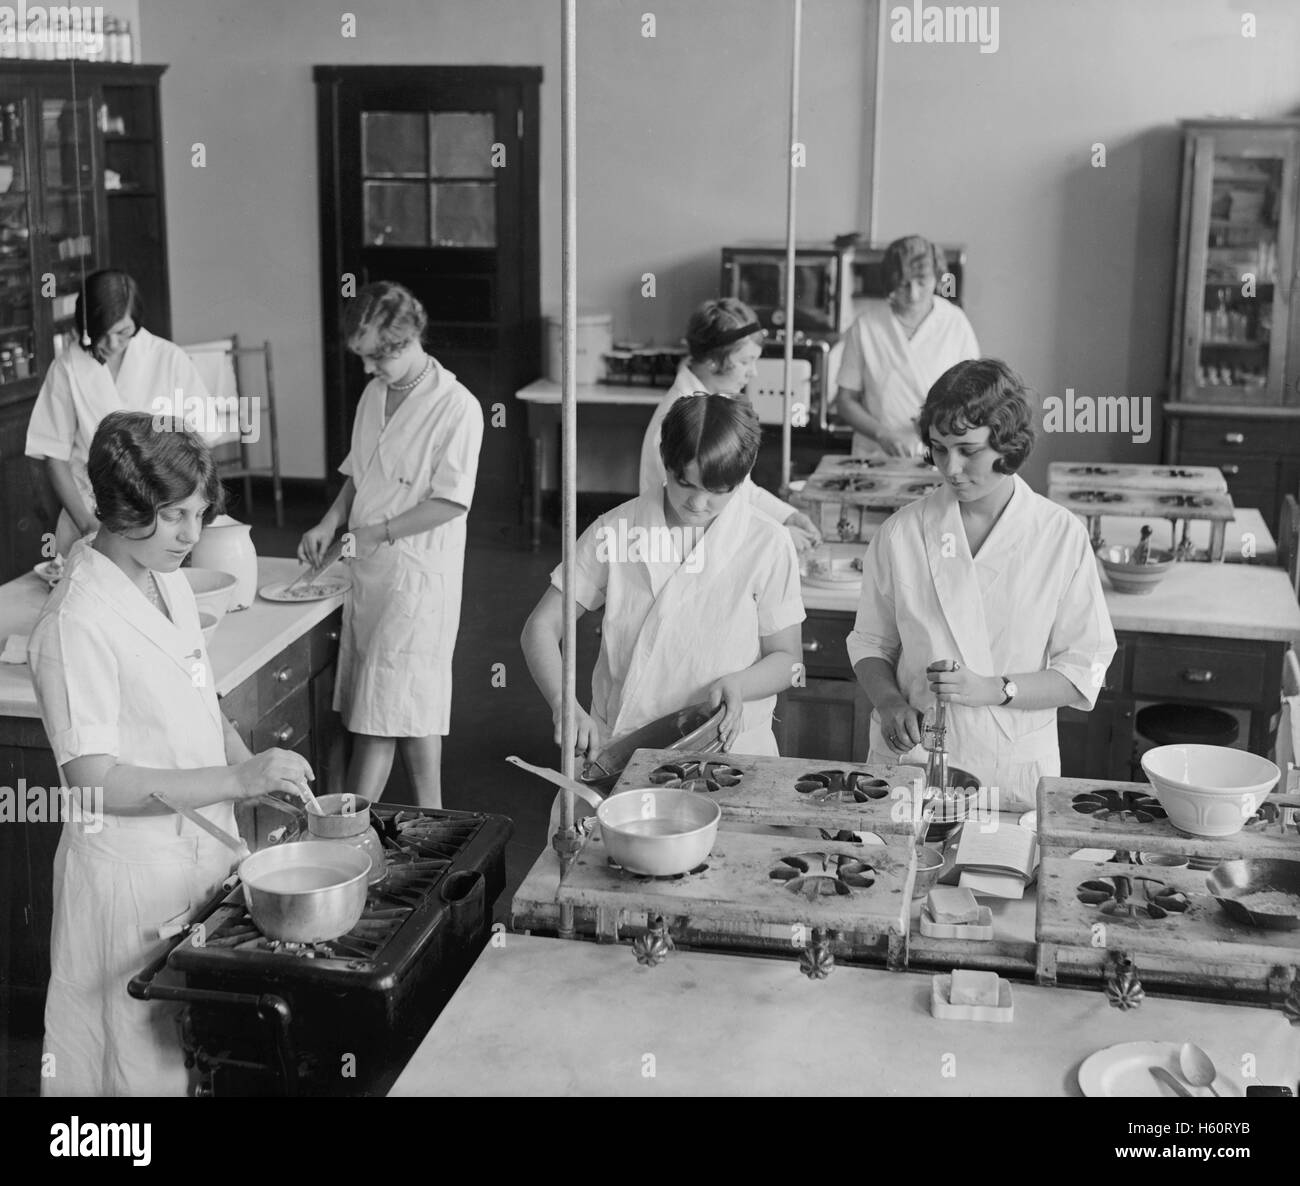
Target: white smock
{"points": [[79, 391], [1030, 601], [653, 475], [673, 627], [896, 371], [113, 676], [402, 613]]}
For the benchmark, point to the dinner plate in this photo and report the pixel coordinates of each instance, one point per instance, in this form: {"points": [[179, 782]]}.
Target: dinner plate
{"points": [[327, 586], [1125, 1070]]}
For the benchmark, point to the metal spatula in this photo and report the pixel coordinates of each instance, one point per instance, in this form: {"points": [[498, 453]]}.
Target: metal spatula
{"points": [[333, 554]]}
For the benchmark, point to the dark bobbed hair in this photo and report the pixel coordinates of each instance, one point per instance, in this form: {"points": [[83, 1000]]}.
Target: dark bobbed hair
{"points": [[105, 298], [712, 319], [140, 463], [901, 250], [388, 312], [979, 392], [721, 434]]}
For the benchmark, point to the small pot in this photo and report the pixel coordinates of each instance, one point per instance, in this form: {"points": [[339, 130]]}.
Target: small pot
{"points": [[305, 893], [345, 819]]}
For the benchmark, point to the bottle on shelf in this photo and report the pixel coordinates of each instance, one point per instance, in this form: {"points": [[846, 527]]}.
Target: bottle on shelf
{"points": [[126, 49]]}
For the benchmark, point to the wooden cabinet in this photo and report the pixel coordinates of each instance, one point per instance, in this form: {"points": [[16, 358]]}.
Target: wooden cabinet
{"points": [[80, 189], [1234, 380]]}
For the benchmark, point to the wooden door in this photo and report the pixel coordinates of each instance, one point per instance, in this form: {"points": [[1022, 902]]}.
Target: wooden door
{"points": [[429, 177]]}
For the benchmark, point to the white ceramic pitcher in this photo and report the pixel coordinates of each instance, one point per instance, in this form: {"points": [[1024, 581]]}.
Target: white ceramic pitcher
{"points": [[227, 545]]}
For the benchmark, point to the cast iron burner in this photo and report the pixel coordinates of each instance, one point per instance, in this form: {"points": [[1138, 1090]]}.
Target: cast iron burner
{"points": [[1174, 473], [696, 774], [1184, 500], [1119, 806], [1115, 897], [617, 868], [840, 786], [823, 874], [923, 487], [852, 485], [861, 463], [1092, 469], [1096, 496]]}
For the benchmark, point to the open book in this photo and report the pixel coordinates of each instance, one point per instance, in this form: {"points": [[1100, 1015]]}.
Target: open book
{"points": [[998, 863]]}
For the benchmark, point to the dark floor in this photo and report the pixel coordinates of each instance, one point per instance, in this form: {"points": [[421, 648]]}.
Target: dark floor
{"points": [[503, 580]]}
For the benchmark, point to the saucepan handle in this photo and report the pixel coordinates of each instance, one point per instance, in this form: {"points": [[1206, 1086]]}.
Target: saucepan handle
{"points": [[205, 825]]}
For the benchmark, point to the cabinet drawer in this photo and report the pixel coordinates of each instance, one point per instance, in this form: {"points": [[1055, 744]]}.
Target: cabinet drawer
{"points": [[284, 674], [286, 725], [824, 652], [1232, 436], [1197, 672], [1252, 478], [323, 641]]}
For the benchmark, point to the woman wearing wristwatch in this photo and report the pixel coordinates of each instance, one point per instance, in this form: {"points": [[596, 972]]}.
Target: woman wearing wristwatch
{"points": [[986, 573]]}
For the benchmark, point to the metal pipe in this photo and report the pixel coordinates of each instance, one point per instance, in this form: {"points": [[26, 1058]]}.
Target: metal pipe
{"points": [[787, 394], [568, 408]]}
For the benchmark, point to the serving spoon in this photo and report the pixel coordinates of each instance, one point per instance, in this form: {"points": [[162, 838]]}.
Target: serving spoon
{"points": [[1197, 1067]]}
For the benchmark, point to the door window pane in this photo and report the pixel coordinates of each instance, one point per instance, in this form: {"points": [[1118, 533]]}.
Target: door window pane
{"points": [[397, 214], [464, 215], [66, 144], [460, 143], [393, 144]]}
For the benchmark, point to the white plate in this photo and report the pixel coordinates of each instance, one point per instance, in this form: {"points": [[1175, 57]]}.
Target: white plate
{"points": [[328, 586], [1124, 1070]]}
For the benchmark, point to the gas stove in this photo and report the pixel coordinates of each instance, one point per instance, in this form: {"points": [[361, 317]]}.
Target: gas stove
{"points": [[339, 1018], [848, 497], [1162, 479]]}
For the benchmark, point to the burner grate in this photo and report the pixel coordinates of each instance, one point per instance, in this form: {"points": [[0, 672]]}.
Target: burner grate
{"points": [[696, 774], [702, 867], [1184, 500], [849, 485], [823, 875], [922, 488], [841, 786], [1093, 470], [1096, 496], [1114, 896], [1113, 805]]}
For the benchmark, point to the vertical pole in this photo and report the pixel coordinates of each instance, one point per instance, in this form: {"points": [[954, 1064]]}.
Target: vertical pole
{"points": [[789, 244], [568, 406]]}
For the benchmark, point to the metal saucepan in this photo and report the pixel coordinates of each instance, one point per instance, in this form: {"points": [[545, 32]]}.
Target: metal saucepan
{"points": [[692, 730], [1233, 881], [655, 831], [296, 893]]}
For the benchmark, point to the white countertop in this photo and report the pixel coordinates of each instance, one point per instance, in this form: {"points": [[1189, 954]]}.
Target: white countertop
{"points": [[1248, 601], [545, 391], [541, 1016], [241, 643]]}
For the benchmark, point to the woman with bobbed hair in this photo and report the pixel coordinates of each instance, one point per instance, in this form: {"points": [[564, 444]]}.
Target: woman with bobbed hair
{"points": [[113, 364], [724, 342], [985, 573], [897, 348], [128, 699]]}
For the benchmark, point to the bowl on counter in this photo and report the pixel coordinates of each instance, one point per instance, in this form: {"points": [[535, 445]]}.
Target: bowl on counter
{"points": [[929, 865], [1209, 790], [208, 623], [213, 591], [1126, 576]]}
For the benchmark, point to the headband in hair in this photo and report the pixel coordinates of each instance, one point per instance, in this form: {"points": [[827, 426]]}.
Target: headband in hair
{"points": [[727, 336]]}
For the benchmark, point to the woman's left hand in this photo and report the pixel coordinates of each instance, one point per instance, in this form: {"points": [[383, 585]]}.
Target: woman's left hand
{"points": [[804, 533], [726, 692], [964, 686]]}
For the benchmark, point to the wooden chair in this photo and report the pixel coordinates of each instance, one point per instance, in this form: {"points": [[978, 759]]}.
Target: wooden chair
{"points": [[219, 365]]}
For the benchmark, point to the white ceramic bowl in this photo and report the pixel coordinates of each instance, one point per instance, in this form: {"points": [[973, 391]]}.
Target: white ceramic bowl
{"points": [[1209, 790], [213, 590], [207, 623]]}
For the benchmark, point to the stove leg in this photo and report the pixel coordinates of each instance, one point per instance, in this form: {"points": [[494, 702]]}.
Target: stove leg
{"points": [[817, 961], [1046, 964], [652, 948], [1218, 530]]}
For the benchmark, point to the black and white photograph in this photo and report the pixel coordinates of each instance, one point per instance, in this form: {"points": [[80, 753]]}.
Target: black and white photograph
{"points": [[650, 549]]}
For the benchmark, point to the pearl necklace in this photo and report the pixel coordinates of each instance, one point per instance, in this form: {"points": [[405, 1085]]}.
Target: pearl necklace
{"points": [[428, 366], [154, 594]]}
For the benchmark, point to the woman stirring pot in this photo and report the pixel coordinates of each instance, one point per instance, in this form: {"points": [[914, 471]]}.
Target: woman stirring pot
{"points": [[128, 699], [986, 573]]}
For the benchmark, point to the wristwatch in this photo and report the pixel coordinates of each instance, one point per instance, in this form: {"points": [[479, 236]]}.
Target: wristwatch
{"points": [[1009, 691]]}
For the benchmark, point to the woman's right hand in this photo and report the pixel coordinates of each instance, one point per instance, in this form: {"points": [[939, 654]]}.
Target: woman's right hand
{"points": [[900, 726], [895, 444], [590, 736], [274, 770], [313, 545]]}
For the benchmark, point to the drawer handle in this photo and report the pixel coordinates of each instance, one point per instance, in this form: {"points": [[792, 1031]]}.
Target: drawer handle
{"points": [[333, 635], [1197, 675], [812, 647], [1230, 471], [1234, 438], [282, 676], [283, 735]]}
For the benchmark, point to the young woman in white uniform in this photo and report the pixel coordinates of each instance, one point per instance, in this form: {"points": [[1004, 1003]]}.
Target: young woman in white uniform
{"points": [[897, 348], [128, 699], [117, 365], [707, 609], [410, 482], [725, 342], [985, 572]]}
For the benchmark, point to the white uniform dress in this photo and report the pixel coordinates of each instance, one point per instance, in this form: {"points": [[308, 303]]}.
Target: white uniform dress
{"points": [[1030, 601], [897, 372], [79, 392], [669, 632], [652, 464], [403, 610], [113, 676]]}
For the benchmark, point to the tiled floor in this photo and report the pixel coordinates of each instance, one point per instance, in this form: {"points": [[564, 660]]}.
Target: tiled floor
{"points": [[502, 582]]}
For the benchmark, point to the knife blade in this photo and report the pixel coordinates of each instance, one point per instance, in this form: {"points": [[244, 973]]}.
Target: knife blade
{"points": [[332, 555], [1163, 1076]]}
